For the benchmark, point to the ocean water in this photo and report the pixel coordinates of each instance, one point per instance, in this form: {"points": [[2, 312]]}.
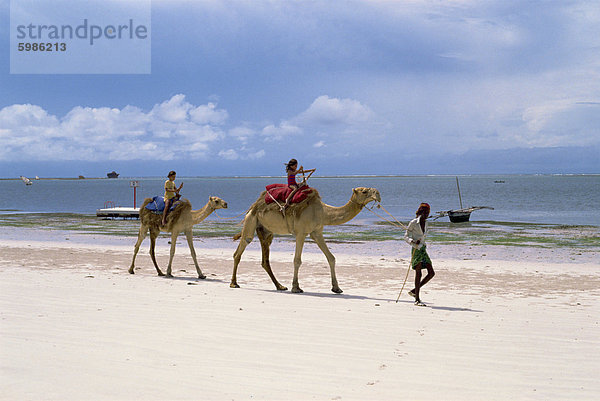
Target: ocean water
{"points": [[551, 199], [527, 208]]}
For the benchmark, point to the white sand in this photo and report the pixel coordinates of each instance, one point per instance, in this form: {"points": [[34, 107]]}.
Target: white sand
{"points": [[76, 326]]}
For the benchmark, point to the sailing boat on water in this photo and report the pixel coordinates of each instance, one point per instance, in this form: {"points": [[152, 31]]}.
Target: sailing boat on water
{"points": [[26, 180], [460, 215]]}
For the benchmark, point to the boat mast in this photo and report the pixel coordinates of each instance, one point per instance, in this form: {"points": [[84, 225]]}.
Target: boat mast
{"points": [[459, 197]]}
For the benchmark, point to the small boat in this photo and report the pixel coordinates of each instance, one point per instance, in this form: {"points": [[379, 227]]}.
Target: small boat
{"points": [[461, 215], [26, 180], [112, 174]]}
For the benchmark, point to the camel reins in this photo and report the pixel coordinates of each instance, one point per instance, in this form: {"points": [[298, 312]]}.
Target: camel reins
{"points": [[397, 224], [234, 217]]}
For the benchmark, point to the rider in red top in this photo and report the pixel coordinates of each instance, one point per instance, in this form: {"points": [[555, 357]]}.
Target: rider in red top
{"points": [[290, 169]]}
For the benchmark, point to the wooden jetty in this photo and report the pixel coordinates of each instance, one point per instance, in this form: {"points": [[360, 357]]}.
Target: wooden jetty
{"points": [[112, 211], [123, 212]]}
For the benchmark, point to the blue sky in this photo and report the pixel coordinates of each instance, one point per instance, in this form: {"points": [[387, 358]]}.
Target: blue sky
{"points": [[348, 87]]}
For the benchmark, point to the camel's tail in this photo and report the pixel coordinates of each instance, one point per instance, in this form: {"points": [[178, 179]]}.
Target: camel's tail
{"points": [[237, 236]]}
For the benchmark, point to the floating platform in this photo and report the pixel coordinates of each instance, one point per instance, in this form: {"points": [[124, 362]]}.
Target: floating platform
{"points": [[123, 212]]}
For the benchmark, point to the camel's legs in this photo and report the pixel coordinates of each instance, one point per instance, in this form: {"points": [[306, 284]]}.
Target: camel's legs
{"points": [[250, 223], [317, 236], [172, 252], [266, 238], [237, 256], [141, 236], [153, 235], [298, 261], [190, 240]]}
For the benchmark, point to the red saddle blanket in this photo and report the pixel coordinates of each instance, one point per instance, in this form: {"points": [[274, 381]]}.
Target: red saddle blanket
{"points": [[281, 191]]}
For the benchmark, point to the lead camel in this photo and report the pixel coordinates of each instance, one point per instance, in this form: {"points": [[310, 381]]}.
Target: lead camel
{"points": [[301, 220]]}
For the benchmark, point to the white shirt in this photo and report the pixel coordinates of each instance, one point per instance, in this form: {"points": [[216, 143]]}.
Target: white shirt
{"points": [[414, 233]]}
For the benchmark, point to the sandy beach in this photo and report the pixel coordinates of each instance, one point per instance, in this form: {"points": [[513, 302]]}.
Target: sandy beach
{"points": [[502, 323]]}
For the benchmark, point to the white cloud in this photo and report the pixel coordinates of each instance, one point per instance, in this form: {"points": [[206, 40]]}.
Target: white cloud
{"points": [[171, 129], [241, 154], [19, 115], [242, 133], [208, 114], [257, 155], [278, 132], [229, 154], [173, 110], [177, 110], [329, 116], [333, 111], [333, 120], [555, 123]]}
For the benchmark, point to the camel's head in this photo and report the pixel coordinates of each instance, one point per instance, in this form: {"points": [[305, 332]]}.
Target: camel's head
{"points": [[217, 203], [362, 195]]}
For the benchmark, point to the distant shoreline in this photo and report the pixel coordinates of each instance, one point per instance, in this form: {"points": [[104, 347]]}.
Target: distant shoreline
{"points": [[322, 176]]}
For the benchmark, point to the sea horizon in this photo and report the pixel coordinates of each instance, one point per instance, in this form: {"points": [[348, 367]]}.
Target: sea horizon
{"points": [[179, 177]]}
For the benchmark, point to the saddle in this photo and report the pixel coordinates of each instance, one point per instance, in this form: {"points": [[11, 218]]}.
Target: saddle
{"points": [[158, 205], [281, 191]]}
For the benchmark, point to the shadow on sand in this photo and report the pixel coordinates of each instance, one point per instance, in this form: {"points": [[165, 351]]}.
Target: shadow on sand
{"points": [[193, 280]]}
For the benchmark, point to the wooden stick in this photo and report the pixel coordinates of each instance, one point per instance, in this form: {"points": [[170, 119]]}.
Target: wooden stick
{"points": [[459, 197], [405, 278]]}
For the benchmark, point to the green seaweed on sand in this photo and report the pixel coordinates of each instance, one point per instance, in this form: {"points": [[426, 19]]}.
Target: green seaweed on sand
{"points": [[90, 224], [472, 233]]}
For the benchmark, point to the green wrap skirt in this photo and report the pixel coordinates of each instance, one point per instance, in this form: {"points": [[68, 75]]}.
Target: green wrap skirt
{"points": [[419, 256]]}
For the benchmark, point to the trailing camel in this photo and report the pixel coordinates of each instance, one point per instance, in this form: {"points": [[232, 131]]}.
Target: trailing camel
{"points": [[181, 219]]}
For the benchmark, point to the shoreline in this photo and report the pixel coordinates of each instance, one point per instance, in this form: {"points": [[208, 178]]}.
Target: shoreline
{"points": [[501, 246]]}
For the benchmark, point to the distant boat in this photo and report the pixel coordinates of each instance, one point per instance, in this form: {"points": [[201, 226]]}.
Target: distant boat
{"points": [[460, 215], [26, 180], [37, 178], [499, 182], [112, 174]]}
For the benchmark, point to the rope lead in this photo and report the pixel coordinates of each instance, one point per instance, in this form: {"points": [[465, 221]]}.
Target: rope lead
{"points": [[397, 224]]}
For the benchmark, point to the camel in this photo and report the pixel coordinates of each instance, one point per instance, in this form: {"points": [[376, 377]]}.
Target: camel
{"points": [[181, 219], [302, 219]]}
